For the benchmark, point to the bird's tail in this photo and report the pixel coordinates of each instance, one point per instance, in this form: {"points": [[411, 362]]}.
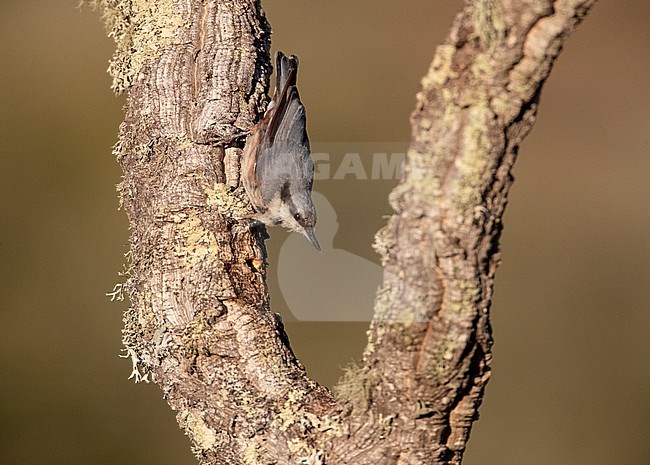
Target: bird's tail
{"points": [[286, 70], [288, 115]]}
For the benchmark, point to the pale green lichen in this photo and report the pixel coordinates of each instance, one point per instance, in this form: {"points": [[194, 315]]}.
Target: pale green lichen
{"points": [[313, 457], [231, 203], [355, 387], [200, 244], [472, 164], [330, 424], [203, 436], [489, 26], [134, 323], [253, 453], [387, 294], [384, 241], [140, 28], [117, 294], [482, 66], [291, 406], [418, 183], [470, 294], [440, 69], [420, 180], [501, 103], [450, 107], [137, 375], [439, 361], [378, 329], [292, 416], [405, 316]]}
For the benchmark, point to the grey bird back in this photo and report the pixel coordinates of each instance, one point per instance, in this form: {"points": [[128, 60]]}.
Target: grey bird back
{"points": [[284, 155]]}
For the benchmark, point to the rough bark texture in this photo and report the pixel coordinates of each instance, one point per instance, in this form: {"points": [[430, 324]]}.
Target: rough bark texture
{"points": [[200, 323]]}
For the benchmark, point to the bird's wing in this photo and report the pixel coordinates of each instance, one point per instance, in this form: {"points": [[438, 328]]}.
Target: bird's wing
{"points": [[283, 153]]}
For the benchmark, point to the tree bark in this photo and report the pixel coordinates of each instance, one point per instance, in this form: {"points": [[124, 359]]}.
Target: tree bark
{"points": [[200, 325]]}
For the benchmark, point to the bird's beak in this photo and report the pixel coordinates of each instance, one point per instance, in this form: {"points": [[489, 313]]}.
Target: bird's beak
{"points": [[311, 235]]}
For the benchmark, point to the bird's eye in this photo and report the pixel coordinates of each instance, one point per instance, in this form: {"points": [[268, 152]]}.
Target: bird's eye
{"points": [[297, 216]]}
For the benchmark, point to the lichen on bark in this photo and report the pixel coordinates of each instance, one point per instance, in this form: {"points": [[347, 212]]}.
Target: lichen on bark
{"points": [[140, 29]]}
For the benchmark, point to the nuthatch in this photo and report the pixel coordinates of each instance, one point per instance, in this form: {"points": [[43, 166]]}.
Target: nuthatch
{"points": [[276, 169]]}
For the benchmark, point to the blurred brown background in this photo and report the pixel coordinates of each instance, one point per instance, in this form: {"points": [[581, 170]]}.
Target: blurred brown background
{"points": [[571, 372]]}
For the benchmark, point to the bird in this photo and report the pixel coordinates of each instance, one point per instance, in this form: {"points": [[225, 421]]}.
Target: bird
{"points": [[277, 168]]}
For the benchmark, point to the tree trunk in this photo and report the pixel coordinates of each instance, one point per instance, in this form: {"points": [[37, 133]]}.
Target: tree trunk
{"points": [[200, 325]]}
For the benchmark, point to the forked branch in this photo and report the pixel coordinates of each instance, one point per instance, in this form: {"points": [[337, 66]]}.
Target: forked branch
{"points": [[197, 74]]}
